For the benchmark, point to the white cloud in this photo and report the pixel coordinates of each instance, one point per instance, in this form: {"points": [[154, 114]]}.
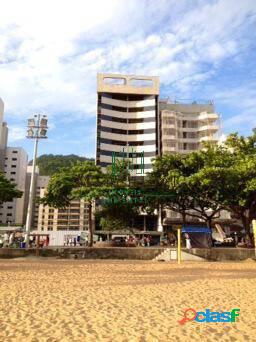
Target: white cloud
{"points": [[16, 134], [50, 51], [242, 100]]}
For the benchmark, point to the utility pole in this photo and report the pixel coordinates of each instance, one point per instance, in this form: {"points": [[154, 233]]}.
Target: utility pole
{"points": [[36, 129]]}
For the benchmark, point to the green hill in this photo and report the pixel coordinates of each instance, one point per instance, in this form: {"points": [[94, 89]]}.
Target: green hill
{"points": [[49, 163]]}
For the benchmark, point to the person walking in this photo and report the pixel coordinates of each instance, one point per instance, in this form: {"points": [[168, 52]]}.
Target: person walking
{"points": [[11, 238], [235, 239], [5, 240], [148, 241], [188, 242]]}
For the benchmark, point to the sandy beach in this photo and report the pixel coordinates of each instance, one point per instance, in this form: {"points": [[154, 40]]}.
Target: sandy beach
{"points": [[58, 300]]}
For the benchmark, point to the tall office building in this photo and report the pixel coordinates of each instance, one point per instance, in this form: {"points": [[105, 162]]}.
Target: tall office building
{"points": [[184, 127], [127, 119], [3, 136], [130, 115], [15, 168]]}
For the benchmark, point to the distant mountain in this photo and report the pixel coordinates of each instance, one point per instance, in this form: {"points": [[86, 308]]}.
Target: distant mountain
{"points": [[49, 163]]}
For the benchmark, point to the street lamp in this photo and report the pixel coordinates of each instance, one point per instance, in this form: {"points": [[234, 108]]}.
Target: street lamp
{"points": [[36, 129]]}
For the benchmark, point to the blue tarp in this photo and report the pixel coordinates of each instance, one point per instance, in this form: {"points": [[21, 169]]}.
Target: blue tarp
{"points": [[195, 229]]}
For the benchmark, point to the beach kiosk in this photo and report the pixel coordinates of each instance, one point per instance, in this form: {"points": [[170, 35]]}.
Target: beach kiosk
{"points": [[200, 236]]}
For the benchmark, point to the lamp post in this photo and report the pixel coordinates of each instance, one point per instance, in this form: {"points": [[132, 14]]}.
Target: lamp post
{"points": [[36, 129]]}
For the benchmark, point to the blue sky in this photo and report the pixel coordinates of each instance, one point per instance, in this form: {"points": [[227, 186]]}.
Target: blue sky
{"points": [[51, 51]]}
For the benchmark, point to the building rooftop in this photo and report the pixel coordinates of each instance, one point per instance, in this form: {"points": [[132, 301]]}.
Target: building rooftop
{"points": [[128, 84]]}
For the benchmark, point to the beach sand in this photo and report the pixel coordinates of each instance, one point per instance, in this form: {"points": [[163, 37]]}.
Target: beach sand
{"points": [[78, 300]]}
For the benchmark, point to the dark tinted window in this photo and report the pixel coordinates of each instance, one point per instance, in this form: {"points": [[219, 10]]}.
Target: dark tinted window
{"points": [[129, 143], [141, 109], [129, 132]]}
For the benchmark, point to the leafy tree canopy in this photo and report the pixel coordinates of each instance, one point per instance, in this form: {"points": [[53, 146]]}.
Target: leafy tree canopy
{"points": [[207, 181], [8, 190], [83, 180]]}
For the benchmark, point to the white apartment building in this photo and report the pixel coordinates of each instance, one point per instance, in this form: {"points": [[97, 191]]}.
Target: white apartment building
{"points": [[46, 218], [127, 119], [15, 168], [184, 127]]}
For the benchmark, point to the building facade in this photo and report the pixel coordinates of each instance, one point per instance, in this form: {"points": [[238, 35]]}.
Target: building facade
{"points": [[71, 218], [127, 119], [3, 135], [185, 127], [130, 115], [15, 169]]}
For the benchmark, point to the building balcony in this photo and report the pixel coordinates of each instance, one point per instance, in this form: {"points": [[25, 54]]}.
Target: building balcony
{"points": [[167, 125], [188, 140], [210, 127], [128, 104], [129, 115], [128, 126], [126, 137], [135, 149], [188, 129], [208, 138], [208, 116], [169, 149]]}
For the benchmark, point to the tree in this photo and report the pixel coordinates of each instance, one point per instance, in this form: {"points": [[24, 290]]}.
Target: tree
{"points": [[193, 186], [216, 178], [82, 181], [202, 201], [243, 200], [161, 185], [8, 190], [117, 216]]}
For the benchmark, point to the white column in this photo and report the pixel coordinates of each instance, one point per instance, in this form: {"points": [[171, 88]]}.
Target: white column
{"points": [[31, 189], [159, 219]]}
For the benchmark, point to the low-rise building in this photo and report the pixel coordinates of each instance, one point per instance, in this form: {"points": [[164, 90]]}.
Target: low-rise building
{"points": [[73, 217]]}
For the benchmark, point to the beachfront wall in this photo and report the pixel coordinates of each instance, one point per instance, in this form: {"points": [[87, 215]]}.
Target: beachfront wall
{"points": [[121, 253]]}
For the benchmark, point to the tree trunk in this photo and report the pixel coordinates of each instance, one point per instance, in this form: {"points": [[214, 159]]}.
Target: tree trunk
{"points": [[184, 218], [246, 222], [209, 223], [90, 242]]}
